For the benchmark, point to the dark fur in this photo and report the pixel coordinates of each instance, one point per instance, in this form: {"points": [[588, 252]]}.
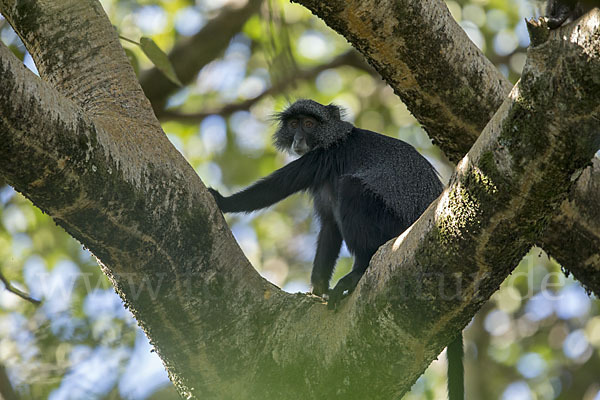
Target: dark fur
{"points": [[560, 12], [367, 188], [329, 117]]}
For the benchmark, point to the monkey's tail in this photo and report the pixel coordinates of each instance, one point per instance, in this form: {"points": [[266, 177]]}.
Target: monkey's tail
{"points": [[455, 353]]}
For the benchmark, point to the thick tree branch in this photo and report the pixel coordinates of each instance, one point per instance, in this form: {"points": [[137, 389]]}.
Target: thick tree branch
{"points": [[573, 235], [48, 31], [112, 201], [221, 329], [453, 95], [190, 55]]}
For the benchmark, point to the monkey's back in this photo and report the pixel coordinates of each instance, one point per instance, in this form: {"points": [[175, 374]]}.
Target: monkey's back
{"points": [[393, 170]]}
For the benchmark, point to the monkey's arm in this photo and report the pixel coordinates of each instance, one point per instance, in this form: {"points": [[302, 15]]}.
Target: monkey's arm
{"points": [[296, 176]]}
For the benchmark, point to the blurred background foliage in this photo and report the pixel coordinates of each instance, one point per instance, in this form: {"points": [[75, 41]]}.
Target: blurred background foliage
{"points": [[240, 61]]}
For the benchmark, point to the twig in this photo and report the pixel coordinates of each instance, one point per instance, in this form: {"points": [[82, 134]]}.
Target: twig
{"points": [[16, 291], [128, 40], [350, 57]]}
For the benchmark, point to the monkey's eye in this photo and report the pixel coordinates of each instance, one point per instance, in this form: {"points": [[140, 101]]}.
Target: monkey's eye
{"points": [[309, 123], [293, 123]]}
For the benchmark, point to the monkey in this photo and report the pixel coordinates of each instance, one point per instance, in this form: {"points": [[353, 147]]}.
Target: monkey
{"points": [[366, 187], [561, 12]]}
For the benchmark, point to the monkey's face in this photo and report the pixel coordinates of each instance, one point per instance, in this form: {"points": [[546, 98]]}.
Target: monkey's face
{"points": [[302, 128], [307, 125]]}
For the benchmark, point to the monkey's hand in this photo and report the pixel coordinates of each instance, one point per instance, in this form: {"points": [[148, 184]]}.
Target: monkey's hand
{"points": [[347, 283], [218, 198]]}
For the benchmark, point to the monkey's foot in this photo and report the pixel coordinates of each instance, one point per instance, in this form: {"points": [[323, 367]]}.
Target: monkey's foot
{"points": [[346, 284], [320, 288]]}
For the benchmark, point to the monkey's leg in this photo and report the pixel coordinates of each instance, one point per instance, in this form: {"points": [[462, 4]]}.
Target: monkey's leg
{"points": [[328, 249], [361, 215]]}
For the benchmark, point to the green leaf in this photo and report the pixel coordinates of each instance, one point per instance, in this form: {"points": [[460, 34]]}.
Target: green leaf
{"points": [[159, 59]]}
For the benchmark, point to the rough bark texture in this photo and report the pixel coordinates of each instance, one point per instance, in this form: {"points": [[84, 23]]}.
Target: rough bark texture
{"points": [[83, 145], [573, 235], [452, 90]]}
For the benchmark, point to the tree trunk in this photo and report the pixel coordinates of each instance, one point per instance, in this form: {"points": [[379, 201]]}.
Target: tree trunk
{"points": [[83, 144]]}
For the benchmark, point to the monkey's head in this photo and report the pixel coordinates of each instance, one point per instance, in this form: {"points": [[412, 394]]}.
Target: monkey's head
{"points": [[307, 125]]}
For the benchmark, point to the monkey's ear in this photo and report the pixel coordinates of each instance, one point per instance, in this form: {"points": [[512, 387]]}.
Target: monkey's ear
{"points": [[334, 111]]}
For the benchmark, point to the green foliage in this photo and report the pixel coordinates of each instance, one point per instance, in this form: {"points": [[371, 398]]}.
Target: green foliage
{"points": [[159, 59]]}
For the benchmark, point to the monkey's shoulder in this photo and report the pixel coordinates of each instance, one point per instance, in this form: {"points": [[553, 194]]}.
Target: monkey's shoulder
{"points": [[374, 150]]}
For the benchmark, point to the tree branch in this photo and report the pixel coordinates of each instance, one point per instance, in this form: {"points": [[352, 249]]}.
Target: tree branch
{"points": [[16, 291], [350, 57], [111, 90], [453, 97], [190, 55]]}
